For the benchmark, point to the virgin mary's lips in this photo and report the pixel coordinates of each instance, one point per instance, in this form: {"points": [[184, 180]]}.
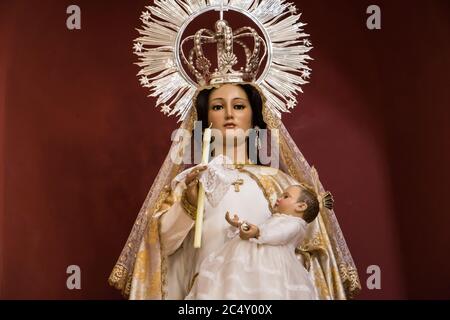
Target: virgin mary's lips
{"points": [[230, 126]]}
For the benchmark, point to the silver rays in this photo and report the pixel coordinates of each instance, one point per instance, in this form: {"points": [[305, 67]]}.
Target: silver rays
{"points": [[158, 49]]}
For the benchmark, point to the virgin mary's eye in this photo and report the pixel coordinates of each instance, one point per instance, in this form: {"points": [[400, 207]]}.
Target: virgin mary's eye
{"points": [[239, 107], [216, 107]]}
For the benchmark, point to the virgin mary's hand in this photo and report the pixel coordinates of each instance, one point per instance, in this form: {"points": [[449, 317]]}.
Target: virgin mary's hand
{"points": [[192, 185]]}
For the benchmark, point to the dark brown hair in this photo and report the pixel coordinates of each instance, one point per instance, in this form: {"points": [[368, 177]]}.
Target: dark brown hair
{"points": [[309, 197]]}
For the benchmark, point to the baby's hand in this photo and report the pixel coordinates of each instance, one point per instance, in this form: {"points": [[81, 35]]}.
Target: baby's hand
{"points": [[234, 222], [251, 231]]}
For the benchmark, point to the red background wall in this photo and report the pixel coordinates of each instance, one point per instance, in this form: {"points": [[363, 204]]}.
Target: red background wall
{"points": [[81, 143]]}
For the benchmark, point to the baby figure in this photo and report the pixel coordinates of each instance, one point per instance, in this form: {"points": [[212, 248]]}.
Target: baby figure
{"points": [[261, 263]]}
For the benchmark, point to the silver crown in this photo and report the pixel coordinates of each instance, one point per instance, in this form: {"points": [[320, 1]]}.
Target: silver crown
{"points": [[225, 39]]}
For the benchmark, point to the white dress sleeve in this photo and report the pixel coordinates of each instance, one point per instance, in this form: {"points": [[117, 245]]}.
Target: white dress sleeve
{"points": [[280, 231], [175, 225]]}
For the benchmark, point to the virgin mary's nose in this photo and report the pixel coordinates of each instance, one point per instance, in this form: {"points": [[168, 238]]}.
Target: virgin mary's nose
{"points": [[228, 112]]}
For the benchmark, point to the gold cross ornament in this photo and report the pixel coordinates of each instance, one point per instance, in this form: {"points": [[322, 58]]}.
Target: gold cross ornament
{"points": [[237, 183]]}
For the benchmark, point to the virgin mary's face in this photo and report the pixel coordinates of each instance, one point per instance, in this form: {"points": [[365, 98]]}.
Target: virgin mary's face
{"points": [[229, 109]]}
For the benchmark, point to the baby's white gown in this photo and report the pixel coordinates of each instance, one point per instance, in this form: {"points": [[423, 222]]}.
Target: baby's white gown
{"points": [[265, 268]]}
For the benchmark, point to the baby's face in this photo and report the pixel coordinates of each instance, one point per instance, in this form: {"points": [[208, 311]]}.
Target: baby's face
{"points": [[288, 201]]}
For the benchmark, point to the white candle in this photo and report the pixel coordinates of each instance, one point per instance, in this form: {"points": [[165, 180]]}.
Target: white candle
{"points": [[206, 142], [201, 191]]}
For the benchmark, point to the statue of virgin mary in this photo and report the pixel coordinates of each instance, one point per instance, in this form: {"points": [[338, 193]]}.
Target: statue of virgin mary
{"points": [[159, 260]]}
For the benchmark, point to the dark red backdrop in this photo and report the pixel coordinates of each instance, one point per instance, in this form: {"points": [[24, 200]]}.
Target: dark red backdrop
{"points": [[81, 144]]}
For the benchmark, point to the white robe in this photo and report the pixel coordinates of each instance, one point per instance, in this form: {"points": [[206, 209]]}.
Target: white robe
{"points": [[258, 269], [166, 262], [176, 232]]}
